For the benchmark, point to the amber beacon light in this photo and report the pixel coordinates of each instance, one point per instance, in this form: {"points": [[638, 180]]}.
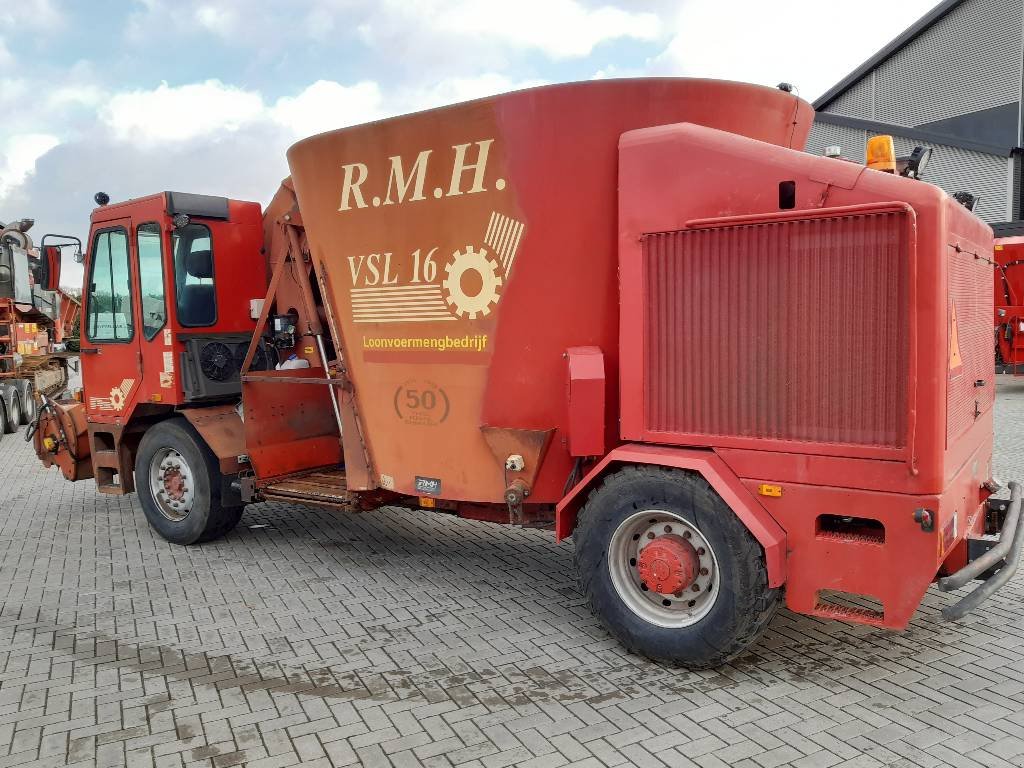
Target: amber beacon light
{"points": [[881, 154]]}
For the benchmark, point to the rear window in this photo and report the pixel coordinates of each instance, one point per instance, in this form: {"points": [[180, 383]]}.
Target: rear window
{"points": [[194, 276]]}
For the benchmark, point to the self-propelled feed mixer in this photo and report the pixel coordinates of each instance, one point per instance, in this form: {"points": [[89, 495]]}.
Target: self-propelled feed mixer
{"points": [[735, 374]]}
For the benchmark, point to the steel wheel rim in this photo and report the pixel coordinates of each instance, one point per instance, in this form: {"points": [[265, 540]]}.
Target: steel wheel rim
{"points": [[15, 412], [629, 539], [172, 484]]}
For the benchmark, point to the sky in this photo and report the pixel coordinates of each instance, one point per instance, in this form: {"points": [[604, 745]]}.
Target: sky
{"points": [[133, 97]]}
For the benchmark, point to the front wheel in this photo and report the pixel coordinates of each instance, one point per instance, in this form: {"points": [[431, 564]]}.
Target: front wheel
{"points": [[669, 568], [179, 485]]}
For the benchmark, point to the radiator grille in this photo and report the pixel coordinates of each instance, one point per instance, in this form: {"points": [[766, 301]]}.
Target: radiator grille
{"points": [[970, 293], [793, 330]]}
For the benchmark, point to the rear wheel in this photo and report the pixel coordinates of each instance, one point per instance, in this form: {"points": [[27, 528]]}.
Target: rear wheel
{"points": [[179, 485], [669, 568]]}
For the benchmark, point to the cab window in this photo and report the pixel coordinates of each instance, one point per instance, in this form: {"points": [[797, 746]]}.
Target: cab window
{"points": [[109, 304], [193, 275], [151, 279]]}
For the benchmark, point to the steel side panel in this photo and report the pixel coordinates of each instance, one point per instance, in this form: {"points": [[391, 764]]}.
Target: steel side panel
{"points": [[587, 388], [740, 500], [222, 429], [429, 367], [289, 427]]}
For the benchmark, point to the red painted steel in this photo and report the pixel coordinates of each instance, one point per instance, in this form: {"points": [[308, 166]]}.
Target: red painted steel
{"points": [[709, 466], [587, 386], [669, 564], [1008, 296], [659, 169], [471, 272], [119, 377], [970, 388], [536, 212], [768, 367]]}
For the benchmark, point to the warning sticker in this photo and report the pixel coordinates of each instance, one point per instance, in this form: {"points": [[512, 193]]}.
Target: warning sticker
{"points": [[955, 361]]}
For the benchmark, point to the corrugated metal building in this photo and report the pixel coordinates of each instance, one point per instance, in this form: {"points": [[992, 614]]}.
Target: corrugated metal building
{"points": [[953, 81]]}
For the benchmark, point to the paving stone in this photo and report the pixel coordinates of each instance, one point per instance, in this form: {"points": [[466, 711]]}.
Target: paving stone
{"points": [[396, 638]]}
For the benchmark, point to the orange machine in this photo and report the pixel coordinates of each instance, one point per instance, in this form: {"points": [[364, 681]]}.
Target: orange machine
{"points": [[632, 310]]}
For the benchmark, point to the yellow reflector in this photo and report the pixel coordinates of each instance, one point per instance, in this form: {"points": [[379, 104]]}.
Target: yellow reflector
{"points": [[426, 501], [767, 489], [999, 247], [158, 398], [50, 444], [881, 154]]}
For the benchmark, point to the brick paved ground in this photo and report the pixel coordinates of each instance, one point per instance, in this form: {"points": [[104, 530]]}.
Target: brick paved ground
{"points": [[399, 638]]}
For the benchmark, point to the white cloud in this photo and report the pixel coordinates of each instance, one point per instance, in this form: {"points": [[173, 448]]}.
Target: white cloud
{"points": [[804, 42], [178, 113], [558, 28], [326, 105], [452, 90], [24, 14], [219, 20], [19, 155]]}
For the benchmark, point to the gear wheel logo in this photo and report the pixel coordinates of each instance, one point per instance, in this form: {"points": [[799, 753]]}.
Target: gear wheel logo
{"points": [[460, 302], [117, 399]]}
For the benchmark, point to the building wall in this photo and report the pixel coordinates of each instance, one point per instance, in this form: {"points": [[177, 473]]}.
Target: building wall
{"points": [[952, 168], [969, 60]]}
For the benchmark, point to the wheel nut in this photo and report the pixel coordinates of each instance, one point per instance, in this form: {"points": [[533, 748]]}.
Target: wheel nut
{"points": [[695, 588], [686, 534], [703, 571]]}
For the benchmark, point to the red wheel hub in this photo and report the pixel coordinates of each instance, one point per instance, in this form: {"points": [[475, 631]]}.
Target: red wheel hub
{"points": [[668, 565], [174, 484]]}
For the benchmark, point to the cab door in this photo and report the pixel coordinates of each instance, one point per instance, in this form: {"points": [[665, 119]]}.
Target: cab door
{"points": [[111, 360]]}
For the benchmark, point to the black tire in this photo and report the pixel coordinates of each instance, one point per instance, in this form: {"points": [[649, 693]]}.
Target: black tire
{"points": [[28, 406], [744, 604], [13, 418], [208, 518]]}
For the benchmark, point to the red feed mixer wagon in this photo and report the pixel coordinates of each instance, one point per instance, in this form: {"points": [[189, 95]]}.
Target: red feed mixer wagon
{"points": [[611, 308], [1009, 304]]}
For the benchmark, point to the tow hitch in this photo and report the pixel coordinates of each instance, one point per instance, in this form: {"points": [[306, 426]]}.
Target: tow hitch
{"points": [[1003, 557]]}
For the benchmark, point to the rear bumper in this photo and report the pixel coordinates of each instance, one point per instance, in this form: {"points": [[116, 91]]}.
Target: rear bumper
{"points": [[996, 564]]}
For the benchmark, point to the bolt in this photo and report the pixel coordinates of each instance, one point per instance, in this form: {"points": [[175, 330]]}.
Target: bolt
{"points": [[650, 535], [703, 571], [687, 535], [668, 529], [701, 551], [695, 588]]}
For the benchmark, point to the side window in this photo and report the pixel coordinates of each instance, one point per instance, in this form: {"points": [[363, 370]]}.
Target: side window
{"points": [[151, 279], [193, 276], [110, 297]]}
